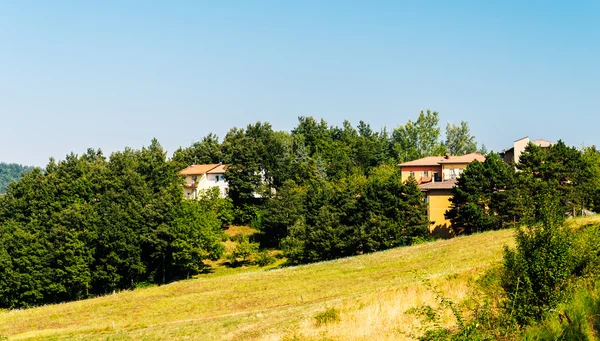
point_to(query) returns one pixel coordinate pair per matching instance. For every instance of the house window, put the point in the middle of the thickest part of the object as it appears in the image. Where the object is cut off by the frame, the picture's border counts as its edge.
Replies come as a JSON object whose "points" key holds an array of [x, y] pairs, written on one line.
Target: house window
{"points": [[426, 174], [412, 174]]}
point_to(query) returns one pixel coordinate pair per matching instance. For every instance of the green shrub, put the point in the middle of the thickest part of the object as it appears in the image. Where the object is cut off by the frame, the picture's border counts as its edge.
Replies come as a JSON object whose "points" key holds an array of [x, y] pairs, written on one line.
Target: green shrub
{"points": [[237, 238], [263, 258], [578, 319], [245, 249], [145, 284], [536, 273], [328, 316], [585, 250]]}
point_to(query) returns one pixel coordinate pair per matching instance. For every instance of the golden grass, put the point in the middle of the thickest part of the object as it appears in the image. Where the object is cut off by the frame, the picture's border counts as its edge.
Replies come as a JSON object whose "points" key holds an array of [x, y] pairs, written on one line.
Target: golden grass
{"points": [[372, 292]]}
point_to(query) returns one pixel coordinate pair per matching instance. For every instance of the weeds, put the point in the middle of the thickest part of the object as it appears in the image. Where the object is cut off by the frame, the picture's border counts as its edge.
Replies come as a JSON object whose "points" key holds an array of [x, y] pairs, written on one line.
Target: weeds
{"points": [[480, 323], [328, 316]]}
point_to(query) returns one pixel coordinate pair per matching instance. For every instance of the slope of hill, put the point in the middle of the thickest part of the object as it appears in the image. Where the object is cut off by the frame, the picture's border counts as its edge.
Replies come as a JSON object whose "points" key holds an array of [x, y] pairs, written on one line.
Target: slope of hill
{"points": [[370, 292], [10, 172]]}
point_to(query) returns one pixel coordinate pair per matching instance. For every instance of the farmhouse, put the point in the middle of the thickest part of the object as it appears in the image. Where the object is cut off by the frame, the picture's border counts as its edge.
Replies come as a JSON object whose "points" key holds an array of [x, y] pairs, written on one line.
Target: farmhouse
{"points": [[199, 178]]}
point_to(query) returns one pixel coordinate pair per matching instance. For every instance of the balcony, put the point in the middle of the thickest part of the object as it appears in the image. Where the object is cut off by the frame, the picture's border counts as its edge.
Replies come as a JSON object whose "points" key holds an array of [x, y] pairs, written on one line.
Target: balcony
{"points": [[191, 184]]}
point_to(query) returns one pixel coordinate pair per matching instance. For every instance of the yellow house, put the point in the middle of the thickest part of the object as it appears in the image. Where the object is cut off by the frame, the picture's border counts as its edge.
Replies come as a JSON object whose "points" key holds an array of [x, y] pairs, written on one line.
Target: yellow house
{"points": [[437, 176], [437, 197]]}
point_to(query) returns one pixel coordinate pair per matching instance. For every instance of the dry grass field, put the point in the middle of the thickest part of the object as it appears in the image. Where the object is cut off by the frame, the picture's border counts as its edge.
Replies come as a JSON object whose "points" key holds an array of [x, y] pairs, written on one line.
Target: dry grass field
{"points": [[371, 293]]}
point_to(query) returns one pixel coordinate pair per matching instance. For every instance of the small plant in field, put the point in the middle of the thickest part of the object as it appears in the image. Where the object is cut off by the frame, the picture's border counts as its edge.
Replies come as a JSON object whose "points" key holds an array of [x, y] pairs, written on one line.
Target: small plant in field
{"points": [[141, 285], [328, 316]]}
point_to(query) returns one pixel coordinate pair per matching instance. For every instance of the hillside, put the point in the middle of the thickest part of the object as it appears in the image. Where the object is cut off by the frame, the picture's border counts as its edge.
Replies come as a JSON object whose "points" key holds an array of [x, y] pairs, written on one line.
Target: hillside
{"points": [[10, 172], [371, 292]]}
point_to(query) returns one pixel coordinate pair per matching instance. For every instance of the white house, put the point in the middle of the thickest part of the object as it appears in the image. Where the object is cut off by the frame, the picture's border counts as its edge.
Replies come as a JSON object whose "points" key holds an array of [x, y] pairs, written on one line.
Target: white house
{"points": [[199, 178]]}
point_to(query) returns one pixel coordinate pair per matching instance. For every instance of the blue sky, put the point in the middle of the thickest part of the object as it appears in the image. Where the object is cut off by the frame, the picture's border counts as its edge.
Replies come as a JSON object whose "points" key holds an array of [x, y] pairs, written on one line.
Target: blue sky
{"points": [[110, 74]]}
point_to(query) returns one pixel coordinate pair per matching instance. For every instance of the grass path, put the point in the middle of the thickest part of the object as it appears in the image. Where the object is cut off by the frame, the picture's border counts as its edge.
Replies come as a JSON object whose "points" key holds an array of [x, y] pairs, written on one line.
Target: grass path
{"points": [[269, 305]]}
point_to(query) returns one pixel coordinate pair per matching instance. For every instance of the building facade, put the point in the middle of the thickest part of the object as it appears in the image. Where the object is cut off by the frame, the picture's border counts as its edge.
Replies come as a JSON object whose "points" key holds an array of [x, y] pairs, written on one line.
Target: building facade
{"points": [[436, 176], [200, 178]]}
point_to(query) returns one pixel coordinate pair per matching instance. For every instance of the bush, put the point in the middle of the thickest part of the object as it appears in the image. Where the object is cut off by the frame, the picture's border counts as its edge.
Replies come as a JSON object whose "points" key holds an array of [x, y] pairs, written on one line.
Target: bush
{"points": [[536, 274], [328, 316], [245, 250], [263, 258], [578, 319]]}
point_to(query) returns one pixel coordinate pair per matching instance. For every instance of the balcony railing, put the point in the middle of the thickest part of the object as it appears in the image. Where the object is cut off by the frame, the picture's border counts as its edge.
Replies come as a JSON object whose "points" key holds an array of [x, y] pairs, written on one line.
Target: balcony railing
{"points": [[191, 185]]}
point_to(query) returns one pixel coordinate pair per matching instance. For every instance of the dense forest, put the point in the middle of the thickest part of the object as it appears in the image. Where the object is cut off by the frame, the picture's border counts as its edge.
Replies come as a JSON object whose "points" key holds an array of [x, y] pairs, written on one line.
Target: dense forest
{"points": [[92, 224], [10, 172]]}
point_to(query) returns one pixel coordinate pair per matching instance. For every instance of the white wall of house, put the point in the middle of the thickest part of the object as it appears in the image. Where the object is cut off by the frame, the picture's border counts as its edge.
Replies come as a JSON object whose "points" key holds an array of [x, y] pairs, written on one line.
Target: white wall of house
{"points": [[519, 146], [218, 180], [190, 190], [205, 182]]}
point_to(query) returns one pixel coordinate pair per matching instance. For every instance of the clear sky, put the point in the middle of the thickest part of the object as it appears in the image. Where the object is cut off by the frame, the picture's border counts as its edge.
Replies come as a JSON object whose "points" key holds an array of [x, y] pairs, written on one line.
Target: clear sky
{"points": [[111, 74]]}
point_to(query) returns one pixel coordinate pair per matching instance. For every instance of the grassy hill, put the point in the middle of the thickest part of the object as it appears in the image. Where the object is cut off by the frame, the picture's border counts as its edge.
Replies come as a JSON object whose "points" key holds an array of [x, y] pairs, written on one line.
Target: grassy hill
{"points": [[370, 292]]}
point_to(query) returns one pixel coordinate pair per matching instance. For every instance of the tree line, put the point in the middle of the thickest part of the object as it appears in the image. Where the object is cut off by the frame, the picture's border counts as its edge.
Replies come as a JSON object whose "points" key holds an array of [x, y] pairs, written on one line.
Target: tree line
{"points": [[91, 224]]}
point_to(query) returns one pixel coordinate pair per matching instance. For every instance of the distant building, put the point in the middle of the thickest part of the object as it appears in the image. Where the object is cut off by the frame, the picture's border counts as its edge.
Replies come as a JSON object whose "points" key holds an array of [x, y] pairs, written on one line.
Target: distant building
{"points": [[436, 176], [513, 154], [199, 178], [438, 168]]}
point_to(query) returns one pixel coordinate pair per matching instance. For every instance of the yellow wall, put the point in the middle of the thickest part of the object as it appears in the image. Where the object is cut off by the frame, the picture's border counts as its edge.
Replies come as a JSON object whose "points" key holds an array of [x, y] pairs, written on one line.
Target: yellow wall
{"points": [[420, 171], [438, 202]]}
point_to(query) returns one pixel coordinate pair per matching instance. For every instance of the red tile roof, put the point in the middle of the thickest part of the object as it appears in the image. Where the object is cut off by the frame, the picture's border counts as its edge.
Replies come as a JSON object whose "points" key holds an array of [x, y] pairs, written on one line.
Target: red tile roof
{"points": [[426, 161], [438, 160], [198, 169], [218, 170]]}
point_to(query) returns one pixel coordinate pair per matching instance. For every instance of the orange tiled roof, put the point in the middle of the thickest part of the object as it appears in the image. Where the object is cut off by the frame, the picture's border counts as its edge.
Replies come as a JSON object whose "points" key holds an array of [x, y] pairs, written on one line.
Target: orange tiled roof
{"points": [[438, 160], [218, 170], [198, 169], [426, 161]]}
